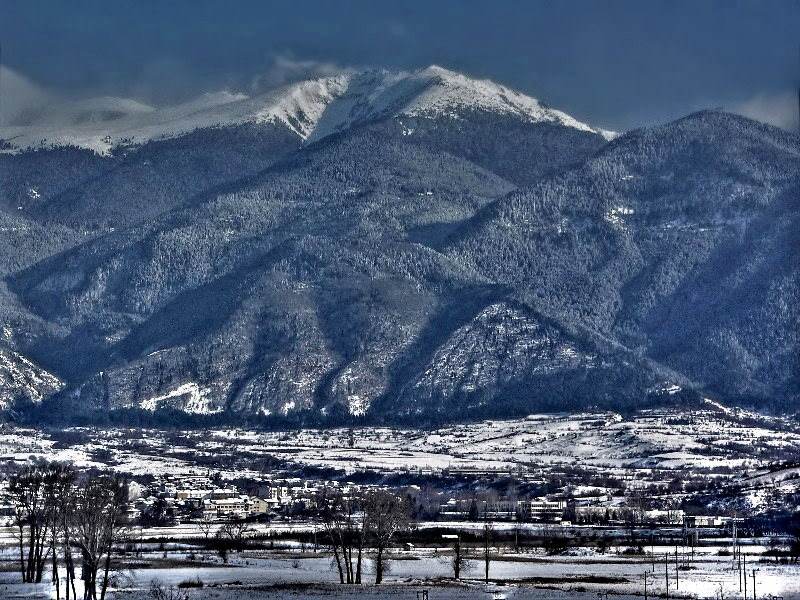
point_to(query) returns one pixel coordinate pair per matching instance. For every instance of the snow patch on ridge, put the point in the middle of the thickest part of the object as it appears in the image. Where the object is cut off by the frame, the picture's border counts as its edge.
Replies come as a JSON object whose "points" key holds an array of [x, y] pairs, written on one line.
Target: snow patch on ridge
{"points": [[616, 215], [189, 397]]}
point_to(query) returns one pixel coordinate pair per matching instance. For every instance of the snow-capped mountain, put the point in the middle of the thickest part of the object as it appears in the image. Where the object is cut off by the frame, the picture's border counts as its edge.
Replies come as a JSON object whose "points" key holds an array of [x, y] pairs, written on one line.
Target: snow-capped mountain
{"points": [[456, 250], [312, 109]]}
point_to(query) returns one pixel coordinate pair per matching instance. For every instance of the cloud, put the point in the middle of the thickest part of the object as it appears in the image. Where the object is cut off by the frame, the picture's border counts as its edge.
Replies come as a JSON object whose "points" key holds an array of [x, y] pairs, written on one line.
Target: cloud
{"points": [[777, 109], [19, 96], [165, 80], [284, 69]]}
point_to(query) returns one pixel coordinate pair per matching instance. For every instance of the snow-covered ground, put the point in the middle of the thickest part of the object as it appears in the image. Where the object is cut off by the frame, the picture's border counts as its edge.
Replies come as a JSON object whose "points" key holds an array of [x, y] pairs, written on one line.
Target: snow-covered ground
{"points": [[664, 439], [255, 574], [652, 439], [651, 446]]}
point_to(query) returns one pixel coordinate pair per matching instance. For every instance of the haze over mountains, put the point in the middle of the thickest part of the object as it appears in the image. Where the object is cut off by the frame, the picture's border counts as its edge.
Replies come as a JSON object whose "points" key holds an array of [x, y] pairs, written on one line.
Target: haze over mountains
{"points": [[412, 247]]}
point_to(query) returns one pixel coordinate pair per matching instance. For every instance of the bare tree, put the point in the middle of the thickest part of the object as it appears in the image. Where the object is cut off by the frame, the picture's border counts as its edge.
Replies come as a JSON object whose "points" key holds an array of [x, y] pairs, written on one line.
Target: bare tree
{"points": [[59, 482], [96, 525], [33, 518], [458, 560], [205, 527], [231, 536], [343, 526], [235, 532], [384, 515]]}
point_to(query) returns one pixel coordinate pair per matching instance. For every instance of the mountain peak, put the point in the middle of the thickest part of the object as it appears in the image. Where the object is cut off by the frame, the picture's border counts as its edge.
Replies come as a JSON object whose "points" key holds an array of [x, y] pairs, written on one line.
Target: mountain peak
{"points": [[449, 92], [313, 109]]}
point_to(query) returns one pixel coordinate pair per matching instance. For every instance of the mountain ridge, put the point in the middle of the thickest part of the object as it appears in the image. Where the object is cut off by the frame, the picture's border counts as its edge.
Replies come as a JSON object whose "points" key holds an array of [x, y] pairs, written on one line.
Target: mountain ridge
{"points": [[412, 268], [313, 109]]}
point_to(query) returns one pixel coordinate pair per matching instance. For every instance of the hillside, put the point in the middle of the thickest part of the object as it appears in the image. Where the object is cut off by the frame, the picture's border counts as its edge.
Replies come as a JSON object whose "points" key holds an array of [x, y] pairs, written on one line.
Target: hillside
{"points": [[674, 243], [417, 247]]}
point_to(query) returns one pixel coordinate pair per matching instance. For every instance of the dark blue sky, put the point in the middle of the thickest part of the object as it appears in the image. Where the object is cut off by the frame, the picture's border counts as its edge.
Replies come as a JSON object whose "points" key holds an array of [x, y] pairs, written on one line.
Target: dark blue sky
{"points": [[617, 64]]}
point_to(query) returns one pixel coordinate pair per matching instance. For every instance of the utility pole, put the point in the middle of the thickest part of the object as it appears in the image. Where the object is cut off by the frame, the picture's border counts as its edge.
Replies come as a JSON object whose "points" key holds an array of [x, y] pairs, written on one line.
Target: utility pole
{"points": [[652, 552], [666, 572], [677, 576], [740, 573], [686, 543], [744, 571], [754, 583], [645, 585]]}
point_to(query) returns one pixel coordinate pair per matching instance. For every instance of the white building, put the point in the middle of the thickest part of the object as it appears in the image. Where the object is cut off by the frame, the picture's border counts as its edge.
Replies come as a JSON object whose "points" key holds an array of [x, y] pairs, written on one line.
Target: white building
{"points": [[239, 507]]}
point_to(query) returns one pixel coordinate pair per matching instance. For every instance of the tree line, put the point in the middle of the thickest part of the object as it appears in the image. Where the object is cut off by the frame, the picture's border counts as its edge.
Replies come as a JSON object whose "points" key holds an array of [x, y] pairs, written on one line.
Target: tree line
{"points": [[65, 518], [70, 518]]}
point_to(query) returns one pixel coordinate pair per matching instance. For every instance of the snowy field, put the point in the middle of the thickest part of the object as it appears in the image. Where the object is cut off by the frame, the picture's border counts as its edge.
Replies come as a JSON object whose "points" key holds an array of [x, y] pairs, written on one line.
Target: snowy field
{"points": [[716, 440], [259, 574]]}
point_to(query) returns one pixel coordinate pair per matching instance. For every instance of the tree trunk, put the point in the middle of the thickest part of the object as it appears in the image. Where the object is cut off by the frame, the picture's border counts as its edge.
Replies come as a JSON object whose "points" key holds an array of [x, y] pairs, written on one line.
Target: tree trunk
{"points": [[42, 555], [457, 561], [349, 564], [88, 575], [486, 557], [338, 561], [31, 546], [22, 551], [106, 569], [55, 566], [38, 556], [358, 564], [70, 568], [379, 565]]}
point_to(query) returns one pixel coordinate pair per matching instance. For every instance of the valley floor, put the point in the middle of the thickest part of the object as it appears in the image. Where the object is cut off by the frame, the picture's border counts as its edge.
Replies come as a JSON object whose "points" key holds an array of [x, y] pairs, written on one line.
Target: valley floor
{"points": [[753, 456], [755, 451], [290, 573]]}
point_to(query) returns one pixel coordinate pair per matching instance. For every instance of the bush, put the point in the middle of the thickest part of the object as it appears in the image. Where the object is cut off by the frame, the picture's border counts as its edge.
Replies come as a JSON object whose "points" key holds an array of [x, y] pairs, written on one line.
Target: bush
{"points": [[158, 591]]}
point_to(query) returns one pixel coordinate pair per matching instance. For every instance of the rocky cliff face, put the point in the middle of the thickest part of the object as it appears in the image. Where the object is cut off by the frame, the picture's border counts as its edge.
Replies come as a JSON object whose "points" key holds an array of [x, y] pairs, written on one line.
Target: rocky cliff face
{"points": [[22, 382]]}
